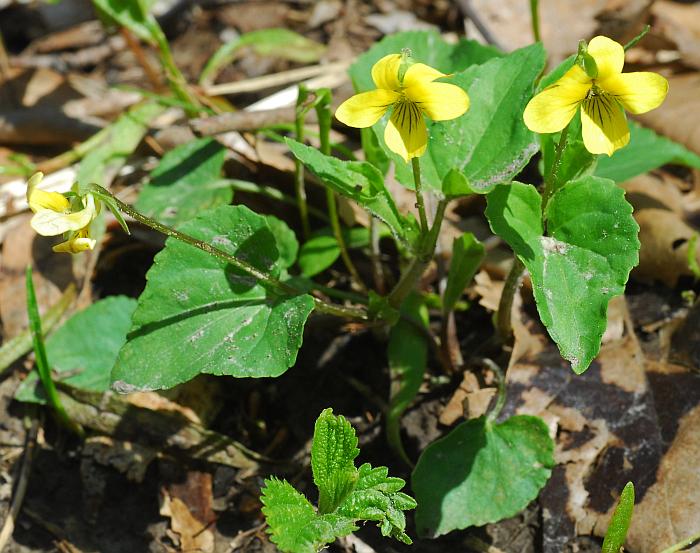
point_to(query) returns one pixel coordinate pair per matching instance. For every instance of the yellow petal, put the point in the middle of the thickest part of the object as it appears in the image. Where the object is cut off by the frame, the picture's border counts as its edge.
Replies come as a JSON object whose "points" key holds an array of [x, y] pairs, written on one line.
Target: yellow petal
{"points": [[439, 101], [638, 92], [405, 132], [75, 245], [609, 56], [52, 223], [604, 125], [365, 109], [41, 200], [385, 73], [553, 108], [419, 73]]}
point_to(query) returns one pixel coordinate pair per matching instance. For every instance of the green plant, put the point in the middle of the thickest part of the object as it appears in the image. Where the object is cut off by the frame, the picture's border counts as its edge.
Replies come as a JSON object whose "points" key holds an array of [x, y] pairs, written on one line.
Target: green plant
{"points": [[347, 494], [225, 295]]}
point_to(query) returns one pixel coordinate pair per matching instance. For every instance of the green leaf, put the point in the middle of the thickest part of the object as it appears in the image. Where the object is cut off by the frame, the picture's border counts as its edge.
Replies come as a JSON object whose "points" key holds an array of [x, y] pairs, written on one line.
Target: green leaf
{"points": [[286, 241], [293, 523], [481, 473], [582, 263], [132, 14], [408, 357], [467, 254], [199, 315], [346, 494], [333, 454], [317, 254], [426, 47], [620, 521], [186, 182], [85, 348], [361, 182], [114, 144], [645, 152], [322, 249], [377, 497], [280, 43], [489, 144]]}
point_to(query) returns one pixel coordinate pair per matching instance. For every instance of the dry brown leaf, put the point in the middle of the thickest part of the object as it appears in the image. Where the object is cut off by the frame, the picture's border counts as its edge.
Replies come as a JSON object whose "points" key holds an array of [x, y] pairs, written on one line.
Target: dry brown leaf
{"points": [[129, 458], [669, 511], [654, 191], [664, 252], [194, 536], [468, 390], [53, 273], [562, 23], [488, 290], [680, 23], [678, 117]]}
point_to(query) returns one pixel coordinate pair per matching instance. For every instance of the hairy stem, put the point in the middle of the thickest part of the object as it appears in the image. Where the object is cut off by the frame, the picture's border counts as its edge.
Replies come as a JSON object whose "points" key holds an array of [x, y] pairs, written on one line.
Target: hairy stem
{"points": [[323, 112], [504, 324], [299, 185], [425, 252], [264, 278], [420, 202], [535, 19], [550, 178], [692, 540]]}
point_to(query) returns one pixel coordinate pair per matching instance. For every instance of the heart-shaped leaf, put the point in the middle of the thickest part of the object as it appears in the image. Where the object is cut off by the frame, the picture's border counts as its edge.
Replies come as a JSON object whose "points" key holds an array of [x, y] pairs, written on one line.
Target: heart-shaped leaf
{"points": [[584, 260], [481, 472], [200, 315]]}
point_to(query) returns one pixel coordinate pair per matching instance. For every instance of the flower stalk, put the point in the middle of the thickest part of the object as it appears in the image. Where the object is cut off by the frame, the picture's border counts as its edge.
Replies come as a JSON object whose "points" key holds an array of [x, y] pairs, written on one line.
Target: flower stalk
{"points": [[420, 201], [322, 105], [416, 268], [299, 184]]}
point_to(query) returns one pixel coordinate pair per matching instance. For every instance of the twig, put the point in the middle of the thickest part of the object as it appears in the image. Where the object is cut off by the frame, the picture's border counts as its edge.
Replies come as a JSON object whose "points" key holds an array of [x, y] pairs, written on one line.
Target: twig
{"points": [[469, 12], [276, 79], [244, 121], [8, 526]]}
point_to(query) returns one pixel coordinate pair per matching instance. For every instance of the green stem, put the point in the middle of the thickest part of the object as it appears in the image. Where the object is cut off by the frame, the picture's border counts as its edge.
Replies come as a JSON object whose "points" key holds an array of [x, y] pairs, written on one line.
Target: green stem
{"points": [[265, 279], [176, 80], [550, 178], [505, 305], [420, 202], [503, 316], [535, 19], [682, 545], [415, 270], [323, 111], [501, 393], [375, 256], [299, 185], [42, 362]]}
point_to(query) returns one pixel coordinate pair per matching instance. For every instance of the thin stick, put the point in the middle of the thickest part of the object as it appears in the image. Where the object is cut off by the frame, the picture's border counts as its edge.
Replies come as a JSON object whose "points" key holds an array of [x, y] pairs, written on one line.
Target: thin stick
{"points": [[8, 526], [683, 545], [276, 79], [135, 47]]}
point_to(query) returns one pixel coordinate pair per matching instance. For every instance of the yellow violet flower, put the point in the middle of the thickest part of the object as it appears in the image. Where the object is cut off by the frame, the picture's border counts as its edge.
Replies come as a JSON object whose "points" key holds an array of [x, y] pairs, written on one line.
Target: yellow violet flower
{"points": [[411, 91], [54, 214], [601, 99]]}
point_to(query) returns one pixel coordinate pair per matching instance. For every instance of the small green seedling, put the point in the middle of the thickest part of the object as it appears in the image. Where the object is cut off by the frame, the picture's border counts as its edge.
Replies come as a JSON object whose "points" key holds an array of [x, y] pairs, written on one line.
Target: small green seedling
{"points": [[346, 494], [620, 521]]}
